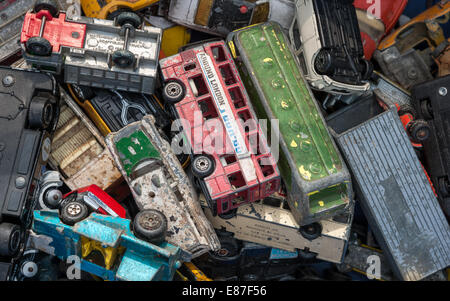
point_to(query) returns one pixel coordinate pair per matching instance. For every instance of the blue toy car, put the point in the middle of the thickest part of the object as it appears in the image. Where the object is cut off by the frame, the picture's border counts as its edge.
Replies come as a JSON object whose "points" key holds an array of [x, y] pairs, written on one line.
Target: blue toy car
{"points": [[124, 256]]}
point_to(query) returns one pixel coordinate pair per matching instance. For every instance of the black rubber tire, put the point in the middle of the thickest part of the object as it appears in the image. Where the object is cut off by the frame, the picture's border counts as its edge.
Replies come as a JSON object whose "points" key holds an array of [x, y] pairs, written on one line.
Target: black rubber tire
{"points": [[311, 231], [229, 214], [49, 5], [10, 236], [38, 46], [41, 113], [72, 212], [123, 58], [150, 225], [367, 69], [203, 166], [419, 130], [130, 18], [426, 109], [173, 91], [323, 63], [407, 109]]}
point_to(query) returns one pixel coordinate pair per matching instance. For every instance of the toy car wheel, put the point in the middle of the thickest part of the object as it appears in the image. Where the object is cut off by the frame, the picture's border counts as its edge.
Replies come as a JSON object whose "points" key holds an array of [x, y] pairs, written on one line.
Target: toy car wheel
{"points": [[49, 5], [38, 46], [10, 236], [150, 225], [130, 18], [419, 130], [173, 91], [406, 109], [202, 166], [367, 69], [311, 231], [426, 109], [40, 113], [123, 58], [72, 212], [52, 198], [323, 62]]}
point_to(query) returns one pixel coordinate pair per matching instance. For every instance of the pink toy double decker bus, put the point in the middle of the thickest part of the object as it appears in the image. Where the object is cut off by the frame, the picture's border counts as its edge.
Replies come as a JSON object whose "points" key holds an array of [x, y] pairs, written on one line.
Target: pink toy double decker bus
{"points": [[230, 155]]}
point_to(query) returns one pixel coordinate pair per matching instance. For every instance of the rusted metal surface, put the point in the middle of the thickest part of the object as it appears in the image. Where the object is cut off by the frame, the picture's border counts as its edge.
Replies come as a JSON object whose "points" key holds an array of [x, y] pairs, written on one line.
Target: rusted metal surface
{"points": [[158, 181], [78, 150]]}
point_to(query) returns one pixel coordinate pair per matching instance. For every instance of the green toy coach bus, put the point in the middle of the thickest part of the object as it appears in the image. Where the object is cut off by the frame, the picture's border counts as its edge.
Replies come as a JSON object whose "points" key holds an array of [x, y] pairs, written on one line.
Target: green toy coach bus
{"points": [[317, 179]]}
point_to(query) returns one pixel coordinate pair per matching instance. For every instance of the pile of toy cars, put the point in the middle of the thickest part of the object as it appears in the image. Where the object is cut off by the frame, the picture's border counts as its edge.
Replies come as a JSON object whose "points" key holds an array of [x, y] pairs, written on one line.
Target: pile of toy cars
{"points": [[224, 140]]}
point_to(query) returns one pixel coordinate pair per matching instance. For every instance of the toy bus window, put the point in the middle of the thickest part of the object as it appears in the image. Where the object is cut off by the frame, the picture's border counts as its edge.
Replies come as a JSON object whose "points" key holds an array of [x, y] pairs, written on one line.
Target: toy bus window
{"points": [[247, 123], [188, 67], [272, 202], [261, 150], [227, 75], [208, 109], [236, 180], [198, 86], [224, 206], [227, 160], [236, 96], [267, 170], [218, 54], [240, 199]]}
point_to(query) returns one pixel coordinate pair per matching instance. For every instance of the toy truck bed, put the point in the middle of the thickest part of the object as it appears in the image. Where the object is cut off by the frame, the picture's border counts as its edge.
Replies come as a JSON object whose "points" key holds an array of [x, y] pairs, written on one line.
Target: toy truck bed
{"points": [[393, 190]]}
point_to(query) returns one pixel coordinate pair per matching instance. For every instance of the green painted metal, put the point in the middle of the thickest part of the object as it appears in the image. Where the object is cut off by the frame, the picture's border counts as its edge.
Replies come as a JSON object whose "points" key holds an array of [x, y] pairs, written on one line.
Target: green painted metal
{"points": [[290, 101], [313, 171], [134, 148]]}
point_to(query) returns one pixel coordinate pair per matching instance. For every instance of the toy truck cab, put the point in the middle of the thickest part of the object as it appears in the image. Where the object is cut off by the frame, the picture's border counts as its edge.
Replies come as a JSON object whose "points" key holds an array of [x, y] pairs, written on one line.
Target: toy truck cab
{"points": [[158, 181], [327, 41], [28, 116], [120, 54], [231, 160]]}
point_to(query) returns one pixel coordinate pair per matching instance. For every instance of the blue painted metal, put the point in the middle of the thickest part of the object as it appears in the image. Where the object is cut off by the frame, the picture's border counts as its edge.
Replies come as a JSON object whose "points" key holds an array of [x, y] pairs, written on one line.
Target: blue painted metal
{"points": [[141, 261]]}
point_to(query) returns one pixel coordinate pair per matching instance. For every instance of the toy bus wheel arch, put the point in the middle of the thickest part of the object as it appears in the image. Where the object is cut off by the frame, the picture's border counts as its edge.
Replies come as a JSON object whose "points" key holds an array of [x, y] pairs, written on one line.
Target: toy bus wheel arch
{"points": [[40, 113], [419, 130], [129, 18], [203, 166], [38, 46], [173, 91], [150, 225], [324, 63], [49, 5], [72, 212], [10, 236], [311, 231], [123, 58]]}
